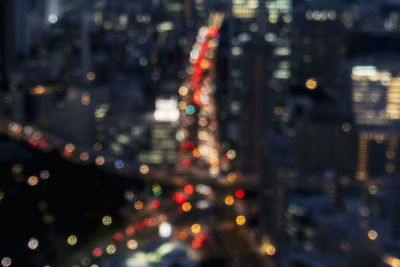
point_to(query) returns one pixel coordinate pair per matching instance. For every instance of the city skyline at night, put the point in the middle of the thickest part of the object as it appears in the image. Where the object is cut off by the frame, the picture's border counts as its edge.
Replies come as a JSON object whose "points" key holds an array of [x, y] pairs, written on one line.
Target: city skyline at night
{"points": [[199, 133]]}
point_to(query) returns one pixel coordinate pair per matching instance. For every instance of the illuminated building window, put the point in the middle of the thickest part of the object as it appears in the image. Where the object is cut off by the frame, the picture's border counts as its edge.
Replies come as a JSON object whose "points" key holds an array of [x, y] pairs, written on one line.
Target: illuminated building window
{"points": [[244, 9]]}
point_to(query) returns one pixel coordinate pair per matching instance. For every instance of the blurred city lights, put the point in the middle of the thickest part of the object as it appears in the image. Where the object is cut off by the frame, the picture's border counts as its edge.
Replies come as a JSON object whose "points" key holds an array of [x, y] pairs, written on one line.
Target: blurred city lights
{"points": [[196, 228], [155, 204], [188, 189], [231, 154], [165, 230], [144, 169], [132, 244], [33, 243], [183, 91], [239, 193], [44, 174], [119, 164], [130, 231], [84, 156], [372, 189], [156, 188], [229, 200], [91, 76], [6, 261], [111, 249], [107, 220], [53, 18], [372, 234], [231, 177], [269, 249], [240, 220], [311, 84], [138, 205], [129, 195], [97, 252], [72, 240], [33, 180], [183, 235], [118, 237], [186, 207], [100, 160]]}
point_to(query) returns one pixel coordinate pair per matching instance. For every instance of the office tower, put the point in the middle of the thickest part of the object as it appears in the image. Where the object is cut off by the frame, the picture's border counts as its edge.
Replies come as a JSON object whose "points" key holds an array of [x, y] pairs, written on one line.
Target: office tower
{"points": [[376, 107], [243, 79], [256, 81]]}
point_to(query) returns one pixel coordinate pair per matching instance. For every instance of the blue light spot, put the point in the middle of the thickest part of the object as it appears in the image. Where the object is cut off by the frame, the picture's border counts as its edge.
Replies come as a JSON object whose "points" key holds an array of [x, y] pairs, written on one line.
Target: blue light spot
{"points": [[190, 110], [119, 164]]}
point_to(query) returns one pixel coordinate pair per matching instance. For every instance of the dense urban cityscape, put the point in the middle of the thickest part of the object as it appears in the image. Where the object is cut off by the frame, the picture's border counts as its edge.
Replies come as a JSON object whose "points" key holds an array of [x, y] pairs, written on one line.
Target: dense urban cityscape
{"points": [[173, 133]]}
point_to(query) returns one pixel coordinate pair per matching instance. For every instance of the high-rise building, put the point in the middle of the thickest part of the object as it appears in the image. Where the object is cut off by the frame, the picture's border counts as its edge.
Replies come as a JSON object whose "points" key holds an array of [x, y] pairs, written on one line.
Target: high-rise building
{"points": [[256, 80], [246, 85], [375, 92]]}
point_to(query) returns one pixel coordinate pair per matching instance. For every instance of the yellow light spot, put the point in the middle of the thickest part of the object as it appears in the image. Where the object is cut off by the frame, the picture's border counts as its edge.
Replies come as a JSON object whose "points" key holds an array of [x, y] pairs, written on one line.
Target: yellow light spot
{"points": [[229, 200], [144, 169], [100, 160], [240, 220], [107, 220], [72, 240], [372, 234], [182, 105], [183, 91], [132, 244], [273, 19], [33, 180], [231, 177], [1, 195], [196, 228], [39, 90], [205, 64], [94, 265], [186, 207], [269, 249], [138, 205], [111, 249], [311, 84]]}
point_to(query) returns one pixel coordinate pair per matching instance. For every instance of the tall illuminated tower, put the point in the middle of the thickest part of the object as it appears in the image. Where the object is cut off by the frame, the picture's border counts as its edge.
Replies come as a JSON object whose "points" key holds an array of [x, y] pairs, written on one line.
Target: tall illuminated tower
{"points": [[258, 73], [259, 69]]}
